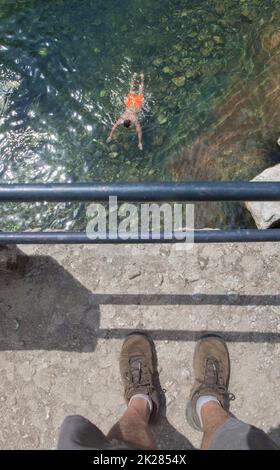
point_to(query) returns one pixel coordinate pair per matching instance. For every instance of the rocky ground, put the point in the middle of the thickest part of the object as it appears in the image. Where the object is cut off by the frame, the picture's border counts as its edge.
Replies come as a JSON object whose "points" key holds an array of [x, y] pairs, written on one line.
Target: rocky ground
{"points": [[63, 321]]}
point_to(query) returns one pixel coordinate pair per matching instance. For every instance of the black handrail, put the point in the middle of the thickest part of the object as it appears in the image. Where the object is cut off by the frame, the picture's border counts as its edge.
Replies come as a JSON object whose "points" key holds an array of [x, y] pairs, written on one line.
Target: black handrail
{"points": [[197, 236], [187, 191], [140, 192]]}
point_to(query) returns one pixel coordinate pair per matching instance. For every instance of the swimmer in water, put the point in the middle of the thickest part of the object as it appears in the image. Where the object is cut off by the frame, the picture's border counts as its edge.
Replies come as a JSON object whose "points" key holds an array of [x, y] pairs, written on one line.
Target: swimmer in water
{"points": [[133, 103]]}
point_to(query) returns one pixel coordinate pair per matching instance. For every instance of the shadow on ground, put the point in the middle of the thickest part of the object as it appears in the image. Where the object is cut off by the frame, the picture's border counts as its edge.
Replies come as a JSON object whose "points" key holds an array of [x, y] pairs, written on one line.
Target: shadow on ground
{"points": [[46, 308], [274, 434], [167, 437]]}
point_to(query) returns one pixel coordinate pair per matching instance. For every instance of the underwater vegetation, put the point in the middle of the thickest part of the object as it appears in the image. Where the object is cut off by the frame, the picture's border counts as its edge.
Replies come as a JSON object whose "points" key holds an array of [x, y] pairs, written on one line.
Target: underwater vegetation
{"points": [[211, 97]]}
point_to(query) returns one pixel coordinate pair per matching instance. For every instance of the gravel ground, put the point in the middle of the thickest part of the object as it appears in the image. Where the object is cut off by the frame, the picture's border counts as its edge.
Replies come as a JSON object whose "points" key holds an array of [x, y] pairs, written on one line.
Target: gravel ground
{"points": [[63, 322]]}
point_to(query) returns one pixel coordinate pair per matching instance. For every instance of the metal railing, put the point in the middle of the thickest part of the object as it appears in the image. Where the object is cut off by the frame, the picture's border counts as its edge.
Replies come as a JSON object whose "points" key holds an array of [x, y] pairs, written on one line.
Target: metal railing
{"points": [[140, 192]]}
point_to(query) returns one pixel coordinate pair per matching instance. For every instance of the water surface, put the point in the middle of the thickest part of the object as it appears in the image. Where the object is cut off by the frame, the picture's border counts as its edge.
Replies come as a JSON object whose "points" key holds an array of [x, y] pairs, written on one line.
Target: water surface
{"points": [[65, 67]]}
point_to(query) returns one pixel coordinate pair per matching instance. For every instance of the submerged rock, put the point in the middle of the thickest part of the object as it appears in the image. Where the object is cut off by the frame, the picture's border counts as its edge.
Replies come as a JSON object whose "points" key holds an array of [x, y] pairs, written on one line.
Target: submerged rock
{"points": [[162, 119], [266, 214], [113, 154], [6, 89], [179, 81], [157, 61], [242, 138], [43, 52], [167, 70]]}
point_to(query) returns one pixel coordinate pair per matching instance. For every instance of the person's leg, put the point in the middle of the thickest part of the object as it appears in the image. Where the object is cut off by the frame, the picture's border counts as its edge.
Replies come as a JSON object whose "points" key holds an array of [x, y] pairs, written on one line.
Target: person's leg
{"points": [[223, 432], [138, 371], [133, 427], [137, 367], [207, 409], [132, 83], [236, 435], [77, 433], [141, 86], [212, 416]]}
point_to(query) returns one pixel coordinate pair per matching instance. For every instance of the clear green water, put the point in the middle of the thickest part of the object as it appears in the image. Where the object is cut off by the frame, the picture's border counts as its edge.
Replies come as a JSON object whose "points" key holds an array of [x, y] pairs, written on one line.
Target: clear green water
{"points": [[65, 68]]}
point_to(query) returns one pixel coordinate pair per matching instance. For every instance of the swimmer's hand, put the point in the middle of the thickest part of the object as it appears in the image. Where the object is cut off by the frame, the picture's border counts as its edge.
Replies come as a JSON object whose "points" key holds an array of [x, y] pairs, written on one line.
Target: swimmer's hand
{"points": [[109, 139], [140, 146]]}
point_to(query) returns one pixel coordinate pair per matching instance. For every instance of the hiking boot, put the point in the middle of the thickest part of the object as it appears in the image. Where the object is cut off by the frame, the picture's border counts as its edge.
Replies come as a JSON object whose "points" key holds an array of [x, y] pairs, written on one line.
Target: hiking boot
{"points": [[138, 370], [211, 371]]}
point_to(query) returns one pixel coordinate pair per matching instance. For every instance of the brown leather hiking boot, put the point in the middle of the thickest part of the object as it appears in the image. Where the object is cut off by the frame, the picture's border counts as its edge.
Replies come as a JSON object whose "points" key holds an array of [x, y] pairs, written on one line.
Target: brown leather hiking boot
{"points": [[211, 371], [138, 369]]}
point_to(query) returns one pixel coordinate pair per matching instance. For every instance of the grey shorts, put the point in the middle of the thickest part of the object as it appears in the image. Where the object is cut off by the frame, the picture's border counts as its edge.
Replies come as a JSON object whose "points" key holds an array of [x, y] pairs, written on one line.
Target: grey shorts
{"points": [[77, 433]]}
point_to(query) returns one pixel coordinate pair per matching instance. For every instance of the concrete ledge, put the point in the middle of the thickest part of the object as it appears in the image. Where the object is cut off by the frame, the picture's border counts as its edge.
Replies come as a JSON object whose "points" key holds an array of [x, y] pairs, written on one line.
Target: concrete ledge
{"points": [[63, 322]]}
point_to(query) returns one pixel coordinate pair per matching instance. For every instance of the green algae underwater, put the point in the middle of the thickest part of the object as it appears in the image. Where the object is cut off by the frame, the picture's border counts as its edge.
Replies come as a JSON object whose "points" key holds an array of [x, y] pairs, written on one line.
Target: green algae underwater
{"points": [[211, 109]]}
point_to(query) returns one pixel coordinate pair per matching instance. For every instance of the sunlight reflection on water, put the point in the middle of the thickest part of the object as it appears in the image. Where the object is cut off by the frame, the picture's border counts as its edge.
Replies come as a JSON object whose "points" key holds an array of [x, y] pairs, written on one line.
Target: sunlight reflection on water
{"points": [[64, 72]]}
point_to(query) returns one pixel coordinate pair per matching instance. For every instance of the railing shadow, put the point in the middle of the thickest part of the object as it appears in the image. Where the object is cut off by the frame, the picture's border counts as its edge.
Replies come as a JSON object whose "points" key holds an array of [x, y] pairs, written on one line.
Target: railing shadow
{"points": [[47, 308]]}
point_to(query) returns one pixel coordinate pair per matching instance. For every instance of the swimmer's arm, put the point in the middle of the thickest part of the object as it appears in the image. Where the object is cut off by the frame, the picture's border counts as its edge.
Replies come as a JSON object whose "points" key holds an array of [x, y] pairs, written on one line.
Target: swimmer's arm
{"points": [[117, 123], [139, 132]]}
